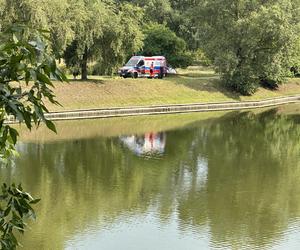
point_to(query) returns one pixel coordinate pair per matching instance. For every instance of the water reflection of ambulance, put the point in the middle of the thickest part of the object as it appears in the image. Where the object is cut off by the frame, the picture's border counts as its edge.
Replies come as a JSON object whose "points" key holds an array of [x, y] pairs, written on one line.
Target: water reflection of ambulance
{"points": [[147, 144], [140, 66]]}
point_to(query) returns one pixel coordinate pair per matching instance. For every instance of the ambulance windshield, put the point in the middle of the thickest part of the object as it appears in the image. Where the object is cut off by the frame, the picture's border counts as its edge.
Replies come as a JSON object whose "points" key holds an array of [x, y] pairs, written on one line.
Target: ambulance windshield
{"points": [[132, 62]]}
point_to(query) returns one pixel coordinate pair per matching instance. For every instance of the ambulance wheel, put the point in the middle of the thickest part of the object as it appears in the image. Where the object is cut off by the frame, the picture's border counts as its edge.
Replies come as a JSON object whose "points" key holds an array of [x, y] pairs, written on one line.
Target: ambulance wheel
{"points": [[135, 75]]}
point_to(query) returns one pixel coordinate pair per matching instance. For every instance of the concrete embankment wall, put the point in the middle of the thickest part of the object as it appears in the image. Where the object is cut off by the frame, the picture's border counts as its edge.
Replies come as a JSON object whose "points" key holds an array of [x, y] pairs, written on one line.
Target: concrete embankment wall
{"points": [[169, 109], [166, 109]]}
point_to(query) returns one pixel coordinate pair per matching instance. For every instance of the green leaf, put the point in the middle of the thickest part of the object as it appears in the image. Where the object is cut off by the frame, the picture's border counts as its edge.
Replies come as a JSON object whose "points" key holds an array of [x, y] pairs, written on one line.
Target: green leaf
{"points": [[7, 211], [51, 126], [33, 75], [43, 78], [27, 76], [15, 39], [34, 201], [13, 134], [27, 119]]}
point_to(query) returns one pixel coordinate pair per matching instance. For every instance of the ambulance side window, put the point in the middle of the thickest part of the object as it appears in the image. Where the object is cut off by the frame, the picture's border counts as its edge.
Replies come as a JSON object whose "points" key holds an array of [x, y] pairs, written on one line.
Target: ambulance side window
{"points": [[141, 63]]}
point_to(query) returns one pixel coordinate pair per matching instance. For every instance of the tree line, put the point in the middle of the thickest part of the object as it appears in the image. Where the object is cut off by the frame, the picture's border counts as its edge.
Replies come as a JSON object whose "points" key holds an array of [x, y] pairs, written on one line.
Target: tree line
{"points": [[250, 43]]}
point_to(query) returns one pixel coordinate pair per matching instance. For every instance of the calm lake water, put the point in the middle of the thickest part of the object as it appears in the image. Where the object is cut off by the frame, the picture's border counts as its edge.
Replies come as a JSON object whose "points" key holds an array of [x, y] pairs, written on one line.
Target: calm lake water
{"points": [[178, 182]]}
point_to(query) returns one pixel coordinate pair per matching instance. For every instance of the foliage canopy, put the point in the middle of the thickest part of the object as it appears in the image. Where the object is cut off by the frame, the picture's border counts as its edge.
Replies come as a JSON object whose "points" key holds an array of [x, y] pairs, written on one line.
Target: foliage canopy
{"points": [[160, 40], [26, 71], [106, 33], [250, 42]]}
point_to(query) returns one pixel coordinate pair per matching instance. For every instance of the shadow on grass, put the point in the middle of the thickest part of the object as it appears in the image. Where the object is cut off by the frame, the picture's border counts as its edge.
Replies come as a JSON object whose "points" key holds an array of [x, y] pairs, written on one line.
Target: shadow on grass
{"points": [[211, 84], [196, 75], [95, 81]]}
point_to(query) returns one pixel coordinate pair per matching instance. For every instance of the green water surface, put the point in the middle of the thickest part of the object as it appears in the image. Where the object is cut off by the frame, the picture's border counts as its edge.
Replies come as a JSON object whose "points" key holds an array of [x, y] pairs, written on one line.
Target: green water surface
{"points": [[178, 182]]}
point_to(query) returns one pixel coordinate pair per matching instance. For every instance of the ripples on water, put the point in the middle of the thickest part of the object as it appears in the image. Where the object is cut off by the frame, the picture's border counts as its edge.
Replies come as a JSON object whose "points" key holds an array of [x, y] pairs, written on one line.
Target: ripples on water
{"points": [[226, 183]]}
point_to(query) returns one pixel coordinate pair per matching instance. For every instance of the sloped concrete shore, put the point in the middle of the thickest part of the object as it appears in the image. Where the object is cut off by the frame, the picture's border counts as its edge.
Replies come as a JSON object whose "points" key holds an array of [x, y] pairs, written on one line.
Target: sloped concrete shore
{"points": [[168, 109], [164, 109]]}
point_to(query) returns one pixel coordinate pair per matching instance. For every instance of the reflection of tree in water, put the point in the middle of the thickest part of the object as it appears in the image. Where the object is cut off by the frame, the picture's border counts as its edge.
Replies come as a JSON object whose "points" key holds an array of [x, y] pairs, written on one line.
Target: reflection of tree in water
{"points": [[253, 176], [238, 174]]}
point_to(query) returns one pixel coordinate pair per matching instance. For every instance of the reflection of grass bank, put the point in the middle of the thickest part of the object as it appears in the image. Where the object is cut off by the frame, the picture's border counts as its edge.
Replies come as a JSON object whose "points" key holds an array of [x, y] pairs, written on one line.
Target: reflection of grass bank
{"points": [[193, 85], [71, 130]]}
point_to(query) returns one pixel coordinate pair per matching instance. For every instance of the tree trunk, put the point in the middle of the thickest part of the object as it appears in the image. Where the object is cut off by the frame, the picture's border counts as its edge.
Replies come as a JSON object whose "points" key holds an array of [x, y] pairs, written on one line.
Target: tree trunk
{"points": [[84, 65]]}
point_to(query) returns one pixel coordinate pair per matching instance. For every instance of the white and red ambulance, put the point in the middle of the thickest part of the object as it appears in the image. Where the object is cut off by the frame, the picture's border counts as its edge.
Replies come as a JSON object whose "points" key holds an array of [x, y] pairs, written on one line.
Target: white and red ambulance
{"points": [[142, 66]]}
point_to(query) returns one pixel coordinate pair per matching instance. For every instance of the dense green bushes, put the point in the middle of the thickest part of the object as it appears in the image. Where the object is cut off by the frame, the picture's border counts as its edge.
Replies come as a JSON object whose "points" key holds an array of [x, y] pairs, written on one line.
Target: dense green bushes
{"points": [[250, 43], [160, 40]]}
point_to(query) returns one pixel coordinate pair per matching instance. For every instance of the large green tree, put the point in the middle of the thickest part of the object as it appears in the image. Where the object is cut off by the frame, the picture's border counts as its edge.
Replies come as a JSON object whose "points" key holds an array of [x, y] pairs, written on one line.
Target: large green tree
{"points": [[122, 37], [155, 10], [175, 15], [183, 23], [160, 40], [105, 32], [55, 16], [250, 42], [90, 17]]}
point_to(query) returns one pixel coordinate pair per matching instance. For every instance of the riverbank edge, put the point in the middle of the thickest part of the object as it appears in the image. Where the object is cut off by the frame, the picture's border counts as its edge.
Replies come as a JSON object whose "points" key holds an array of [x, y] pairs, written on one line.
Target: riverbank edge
{"points": [[166, 109]]}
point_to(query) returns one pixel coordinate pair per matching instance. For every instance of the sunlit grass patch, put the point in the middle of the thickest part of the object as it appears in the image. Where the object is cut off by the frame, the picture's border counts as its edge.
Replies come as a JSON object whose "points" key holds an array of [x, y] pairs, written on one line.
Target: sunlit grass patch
{"points": [[192, 85]]}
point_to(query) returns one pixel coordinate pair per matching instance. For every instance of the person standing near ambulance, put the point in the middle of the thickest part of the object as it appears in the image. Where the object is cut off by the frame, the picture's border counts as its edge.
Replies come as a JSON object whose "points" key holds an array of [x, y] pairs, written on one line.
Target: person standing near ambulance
{"points": [[152, 70]]}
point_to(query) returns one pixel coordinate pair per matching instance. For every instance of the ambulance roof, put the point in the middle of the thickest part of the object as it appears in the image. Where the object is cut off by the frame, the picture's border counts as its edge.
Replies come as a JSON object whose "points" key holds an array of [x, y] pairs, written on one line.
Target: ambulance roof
{"points": [[154, 58]]}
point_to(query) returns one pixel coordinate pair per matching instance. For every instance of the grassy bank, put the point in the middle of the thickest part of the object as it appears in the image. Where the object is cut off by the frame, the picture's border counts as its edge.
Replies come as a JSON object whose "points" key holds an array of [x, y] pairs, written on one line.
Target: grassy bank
{"points": [[193, 85]]}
